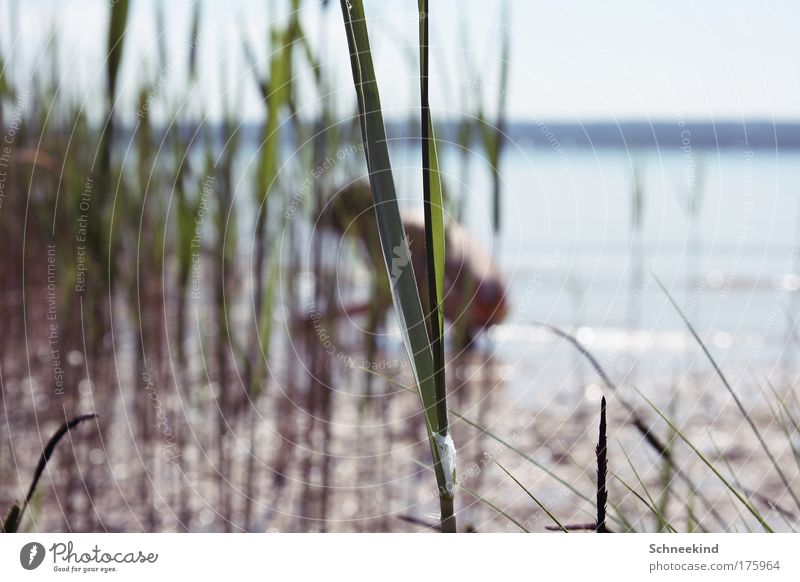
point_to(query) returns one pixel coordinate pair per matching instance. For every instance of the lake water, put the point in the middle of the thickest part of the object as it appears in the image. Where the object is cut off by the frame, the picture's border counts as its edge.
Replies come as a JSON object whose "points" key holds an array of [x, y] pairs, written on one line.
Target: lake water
{"points": [[573, 259]]}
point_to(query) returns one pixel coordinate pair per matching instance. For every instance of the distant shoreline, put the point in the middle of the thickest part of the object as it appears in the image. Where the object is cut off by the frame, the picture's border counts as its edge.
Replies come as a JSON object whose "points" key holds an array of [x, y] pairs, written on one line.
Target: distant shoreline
{"points": [[677, 135], [661, 134]]}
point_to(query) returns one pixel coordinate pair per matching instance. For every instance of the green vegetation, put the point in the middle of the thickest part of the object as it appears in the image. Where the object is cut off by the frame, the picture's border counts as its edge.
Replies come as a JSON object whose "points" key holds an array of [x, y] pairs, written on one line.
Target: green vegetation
{"points": [[181, 283]]}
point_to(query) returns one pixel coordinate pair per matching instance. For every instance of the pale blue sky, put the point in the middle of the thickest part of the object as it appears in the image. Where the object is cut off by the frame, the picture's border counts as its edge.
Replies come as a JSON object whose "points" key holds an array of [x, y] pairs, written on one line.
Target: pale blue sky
{"points": [[580, 59]]}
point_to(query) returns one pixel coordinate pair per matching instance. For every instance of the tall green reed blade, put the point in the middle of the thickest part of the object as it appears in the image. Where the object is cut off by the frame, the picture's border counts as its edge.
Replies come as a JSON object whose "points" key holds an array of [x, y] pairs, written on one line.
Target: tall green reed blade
{"points": [[6, 90], [434, 223], [4, 86], [193, 42], [161, 31], [116, 41], [276, 95], [495, 137], [396, 252], [115, 44], [13, 518], [101, 248]]}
